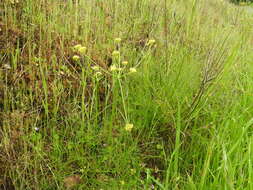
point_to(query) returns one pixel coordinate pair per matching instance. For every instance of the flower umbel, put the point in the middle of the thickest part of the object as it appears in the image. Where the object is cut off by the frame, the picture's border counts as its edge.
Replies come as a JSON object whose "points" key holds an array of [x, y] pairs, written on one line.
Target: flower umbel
{"points": [[133, 171], [151, 42], [117, 40], [132, 70], [76, 47], [82, 50], [76, 58], [122, 182], [129, 127], [95, 68], [113, 68], [115, 53]]}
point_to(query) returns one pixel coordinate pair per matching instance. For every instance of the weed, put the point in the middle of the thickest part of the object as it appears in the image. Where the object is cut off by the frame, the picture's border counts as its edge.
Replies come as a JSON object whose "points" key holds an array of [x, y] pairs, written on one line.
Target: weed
{"points": [[125, 95]]}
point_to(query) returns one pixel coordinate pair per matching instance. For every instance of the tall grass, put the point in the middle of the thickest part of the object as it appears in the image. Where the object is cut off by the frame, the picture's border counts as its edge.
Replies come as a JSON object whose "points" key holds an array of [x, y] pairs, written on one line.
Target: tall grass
{"points": [[166, 106]]}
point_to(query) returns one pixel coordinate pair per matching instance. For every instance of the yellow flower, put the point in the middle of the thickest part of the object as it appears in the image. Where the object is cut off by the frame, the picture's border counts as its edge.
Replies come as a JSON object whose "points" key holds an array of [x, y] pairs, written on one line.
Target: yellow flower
{"points": [[129, 127], [76, 58], [76, 47], [113, 68], [82, 50], [122, 182], [124, 62], [115, 53], [95, 68], [151, 42], [133, 171], [158, 146], [132, 70], [117, 40], [82, 170]]}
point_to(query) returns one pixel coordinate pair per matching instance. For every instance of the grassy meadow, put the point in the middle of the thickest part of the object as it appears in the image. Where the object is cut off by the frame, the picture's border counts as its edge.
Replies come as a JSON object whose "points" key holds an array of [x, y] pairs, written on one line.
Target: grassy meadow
{"points": [[126, 95]]}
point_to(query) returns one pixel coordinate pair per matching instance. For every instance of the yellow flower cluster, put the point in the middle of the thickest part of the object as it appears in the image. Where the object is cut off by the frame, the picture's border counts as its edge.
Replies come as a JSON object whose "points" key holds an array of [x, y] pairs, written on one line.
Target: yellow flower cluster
{"points": [[129, 127], [115, 53], [76, 57], [117, 40], [95, 68], [132, 70], [133, 171], [151, 42], [80, 50], [114, 68]]}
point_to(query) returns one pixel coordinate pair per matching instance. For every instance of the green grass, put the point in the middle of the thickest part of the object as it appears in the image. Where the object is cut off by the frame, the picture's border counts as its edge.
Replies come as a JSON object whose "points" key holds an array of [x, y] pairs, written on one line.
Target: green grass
{"points": [[63, 121]]}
